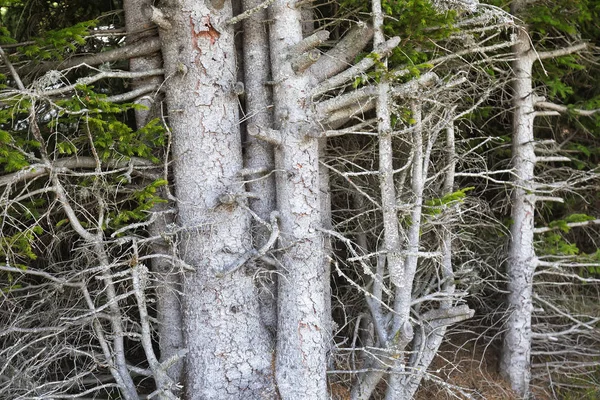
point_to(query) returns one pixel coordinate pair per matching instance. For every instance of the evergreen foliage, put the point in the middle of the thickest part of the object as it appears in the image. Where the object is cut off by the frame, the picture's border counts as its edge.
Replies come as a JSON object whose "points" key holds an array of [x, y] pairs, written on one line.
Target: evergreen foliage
{"points": [[82, 148]]}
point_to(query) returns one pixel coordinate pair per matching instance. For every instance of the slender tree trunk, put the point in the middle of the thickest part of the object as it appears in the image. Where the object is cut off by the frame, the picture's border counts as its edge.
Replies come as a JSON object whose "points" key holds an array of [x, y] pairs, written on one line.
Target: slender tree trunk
{"points": [[429, 337], [403, 295], [515, 363], [301, 344], [392, 244], [308, 28], [259, 153], [168, 283], [139, 26], [229, 351]]}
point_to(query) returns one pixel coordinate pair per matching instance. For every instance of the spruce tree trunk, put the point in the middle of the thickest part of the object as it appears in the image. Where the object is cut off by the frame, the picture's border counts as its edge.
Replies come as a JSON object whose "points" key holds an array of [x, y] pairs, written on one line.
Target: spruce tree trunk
{"points": [[516, 354], [167, 275], [259, 153], [301, 344], [229, 353]]}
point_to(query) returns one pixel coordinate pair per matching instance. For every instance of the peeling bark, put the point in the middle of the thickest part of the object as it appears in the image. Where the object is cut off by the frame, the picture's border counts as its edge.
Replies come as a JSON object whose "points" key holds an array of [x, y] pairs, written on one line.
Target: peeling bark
{"points": [[515, 363], [229, 351], [301, 344], [259, 153]]}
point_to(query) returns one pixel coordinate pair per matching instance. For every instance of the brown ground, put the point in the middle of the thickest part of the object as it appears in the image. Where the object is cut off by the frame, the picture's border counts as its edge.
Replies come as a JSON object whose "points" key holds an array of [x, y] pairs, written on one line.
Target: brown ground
{"points": [[467, 362], [464, 361]]}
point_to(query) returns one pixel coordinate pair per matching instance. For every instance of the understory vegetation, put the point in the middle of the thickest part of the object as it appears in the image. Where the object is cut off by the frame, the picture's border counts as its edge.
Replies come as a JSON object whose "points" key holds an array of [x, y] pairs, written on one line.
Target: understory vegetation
{"points": [[345, 199]]}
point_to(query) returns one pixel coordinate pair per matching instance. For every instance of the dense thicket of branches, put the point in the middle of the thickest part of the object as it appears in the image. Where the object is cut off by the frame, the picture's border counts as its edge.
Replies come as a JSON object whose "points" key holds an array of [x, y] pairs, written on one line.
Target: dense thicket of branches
{"points": [[246, 199]]}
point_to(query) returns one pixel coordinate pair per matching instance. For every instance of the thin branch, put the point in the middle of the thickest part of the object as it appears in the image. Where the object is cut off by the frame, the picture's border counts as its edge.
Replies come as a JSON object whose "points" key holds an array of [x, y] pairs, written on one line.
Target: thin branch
{"points": [[564, 109], [62, 165], [562, 52], [133, 94], [13, 72], [101, 75], [569, 224], [253, 254], [250, 12], [138, 49]]}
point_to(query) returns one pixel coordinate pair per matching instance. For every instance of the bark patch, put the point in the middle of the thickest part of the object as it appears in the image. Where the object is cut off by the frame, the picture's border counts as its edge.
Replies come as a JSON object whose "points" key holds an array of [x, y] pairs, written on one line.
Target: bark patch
{"points": [[203, 29]]}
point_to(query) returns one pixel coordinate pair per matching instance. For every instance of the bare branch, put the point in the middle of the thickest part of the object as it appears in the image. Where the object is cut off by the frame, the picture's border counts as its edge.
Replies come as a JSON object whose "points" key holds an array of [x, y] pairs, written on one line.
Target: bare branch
{"points": [[564, 109], [341, 56], [565, 51], [552, 159], [309, 42], [138, 49], [248, 13], [101, 75], [569, 224], [253, 253], [302, 61], [268, 135], [159, 18], [13, 72], [356, 69], [64, 164], [133, 94]]}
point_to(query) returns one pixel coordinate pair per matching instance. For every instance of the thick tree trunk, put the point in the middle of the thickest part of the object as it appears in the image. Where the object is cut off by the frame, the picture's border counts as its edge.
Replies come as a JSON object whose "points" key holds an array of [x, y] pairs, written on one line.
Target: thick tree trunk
{"points": [[301, 344], [516, 354], [168, 283], [229, 351]]}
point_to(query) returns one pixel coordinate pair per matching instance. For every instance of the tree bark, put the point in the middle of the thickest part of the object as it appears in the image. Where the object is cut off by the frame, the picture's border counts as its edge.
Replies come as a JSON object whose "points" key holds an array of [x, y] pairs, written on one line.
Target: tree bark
{"points": [[301, 344], [516, 353], [229, 351], [259, 153], [429, 337], [168, 283]]}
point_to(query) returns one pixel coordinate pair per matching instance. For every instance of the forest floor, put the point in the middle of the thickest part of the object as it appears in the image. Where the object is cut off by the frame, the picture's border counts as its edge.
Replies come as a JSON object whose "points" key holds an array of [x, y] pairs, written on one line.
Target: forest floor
{"points": [[466, 367], [466, 361], [470, 362]]}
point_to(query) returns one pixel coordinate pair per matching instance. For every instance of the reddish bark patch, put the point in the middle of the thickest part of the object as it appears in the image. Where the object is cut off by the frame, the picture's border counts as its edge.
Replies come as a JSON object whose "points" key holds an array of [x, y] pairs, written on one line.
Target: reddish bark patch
{"points": [[203, 29]]}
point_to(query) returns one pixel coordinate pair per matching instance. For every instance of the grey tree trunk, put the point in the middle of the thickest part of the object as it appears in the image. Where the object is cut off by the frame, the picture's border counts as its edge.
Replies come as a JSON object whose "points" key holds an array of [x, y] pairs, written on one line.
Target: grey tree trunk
{"points": [[168, 284], [259, 156], [430, 335], [229, 350], [301, 344], [516, 353]]}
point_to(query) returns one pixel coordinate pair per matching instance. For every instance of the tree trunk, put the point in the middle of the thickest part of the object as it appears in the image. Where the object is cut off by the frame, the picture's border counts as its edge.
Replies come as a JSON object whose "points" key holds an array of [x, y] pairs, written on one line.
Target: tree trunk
{"points": [[301, 344], [429, 337], [168, 283], [229, 351], [516, 354], [259, 153]]}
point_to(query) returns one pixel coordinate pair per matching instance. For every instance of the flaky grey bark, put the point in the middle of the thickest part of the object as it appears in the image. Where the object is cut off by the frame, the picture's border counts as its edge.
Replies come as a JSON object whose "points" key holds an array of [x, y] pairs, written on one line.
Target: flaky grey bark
{"points": [[516, 353], [301, 344], [229, 354], [515, 363], [259, 153], [168, 286]]}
